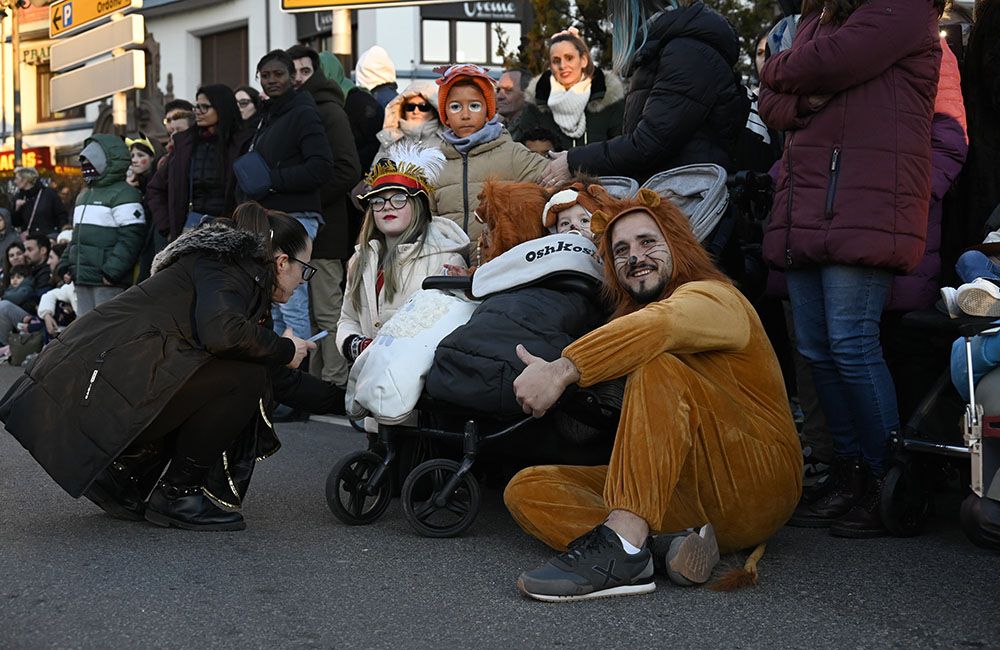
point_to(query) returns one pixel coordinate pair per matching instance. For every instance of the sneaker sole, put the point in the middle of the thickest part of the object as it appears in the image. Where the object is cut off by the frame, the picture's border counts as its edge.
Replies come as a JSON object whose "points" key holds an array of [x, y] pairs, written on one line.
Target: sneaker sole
{"points": [[160, 519], [624, 590], [691, 560], [976, 301]]}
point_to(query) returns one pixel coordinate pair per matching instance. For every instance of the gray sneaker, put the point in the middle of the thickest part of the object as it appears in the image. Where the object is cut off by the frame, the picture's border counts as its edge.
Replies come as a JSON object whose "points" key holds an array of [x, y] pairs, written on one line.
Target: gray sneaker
{"points": [[595, 566]]}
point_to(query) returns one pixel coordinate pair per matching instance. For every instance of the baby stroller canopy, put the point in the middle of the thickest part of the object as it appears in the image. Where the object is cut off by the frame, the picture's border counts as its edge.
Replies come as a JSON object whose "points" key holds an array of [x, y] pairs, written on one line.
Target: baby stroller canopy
{"points": [[700, 191]]}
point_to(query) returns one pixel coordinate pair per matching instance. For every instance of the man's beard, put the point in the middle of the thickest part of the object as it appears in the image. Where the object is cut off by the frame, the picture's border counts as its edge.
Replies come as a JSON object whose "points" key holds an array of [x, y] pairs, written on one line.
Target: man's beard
{"points": [[649, 293]]}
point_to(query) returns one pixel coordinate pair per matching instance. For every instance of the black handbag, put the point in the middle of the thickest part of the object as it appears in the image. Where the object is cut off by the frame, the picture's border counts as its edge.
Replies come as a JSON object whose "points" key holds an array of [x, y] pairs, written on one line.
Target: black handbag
{"points": [[252, 173]]}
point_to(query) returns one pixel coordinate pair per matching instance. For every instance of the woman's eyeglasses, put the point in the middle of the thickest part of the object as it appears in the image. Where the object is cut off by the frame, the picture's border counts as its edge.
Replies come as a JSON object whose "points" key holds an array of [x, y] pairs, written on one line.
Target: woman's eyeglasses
{"points": [[202, 108], [397, 201], [423, 108], [307, 270]]}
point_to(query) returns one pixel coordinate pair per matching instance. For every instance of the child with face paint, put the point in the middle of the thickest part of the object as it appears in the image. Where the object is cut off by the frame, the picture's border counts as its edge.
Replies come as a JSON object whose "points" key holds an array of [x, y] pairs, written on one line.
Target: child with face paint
{"points": [[476, 146], [570, 209]]}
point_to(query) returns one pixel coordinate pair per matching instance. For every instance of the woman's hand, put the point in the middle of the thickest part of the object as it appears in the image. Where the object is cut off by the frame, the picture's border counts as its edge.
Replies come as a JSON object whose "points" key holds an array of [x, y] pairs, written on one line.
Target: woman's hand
{"points": [[542, 383], [817, 102], [302, 348], [50, 325], [557, 170], [457, 271]]}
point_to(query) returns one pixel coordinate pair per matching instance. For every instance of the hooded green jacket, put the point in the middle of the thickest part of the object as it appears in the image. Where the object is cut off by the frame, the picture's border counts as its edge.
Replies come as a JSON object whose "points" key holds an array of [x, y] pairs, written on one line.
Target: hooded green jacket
{"points": [[109, 222]]}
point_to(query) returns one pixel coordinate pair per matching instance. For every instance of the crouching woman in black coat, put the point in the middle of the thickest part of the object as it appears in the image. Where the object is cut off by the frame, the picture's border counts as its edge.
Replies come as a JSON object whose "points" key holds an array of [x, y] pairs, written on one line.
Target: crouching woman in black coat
{"points": [[180, 369]]}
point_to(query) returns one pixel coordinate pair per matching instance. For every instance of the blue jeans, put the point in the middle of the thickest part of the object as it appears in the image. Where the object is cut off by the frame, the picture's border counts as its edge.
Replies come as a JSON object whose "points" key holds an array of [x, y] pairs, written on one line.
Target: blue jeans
{"points": [[974, 264], [837, 313], [295, 312]]}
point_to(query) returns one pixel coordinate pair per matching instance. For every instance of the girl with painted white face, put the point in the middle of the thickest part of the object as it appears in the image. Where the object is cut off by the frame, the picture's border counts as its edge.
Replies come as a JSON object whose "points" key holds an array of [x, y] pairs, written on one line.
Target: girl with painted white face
{"points": [[400, 244]]}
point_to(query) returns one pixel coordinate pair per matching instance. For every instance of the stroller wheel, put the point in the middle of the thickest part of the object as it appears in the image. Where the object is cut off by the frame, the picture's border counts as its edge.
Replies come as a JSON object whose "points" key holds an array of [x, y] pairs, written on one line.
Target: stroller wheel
{"points": [[346, 492], [905, 504], [430, 511]]}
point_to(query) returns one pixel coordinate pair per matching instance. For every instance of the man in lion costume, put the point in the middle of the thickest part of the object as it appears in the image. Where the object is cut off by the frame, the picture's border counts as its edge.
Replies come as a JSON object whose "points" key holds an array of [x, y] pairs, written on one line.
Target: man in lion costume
{"points": [[705, 439]]}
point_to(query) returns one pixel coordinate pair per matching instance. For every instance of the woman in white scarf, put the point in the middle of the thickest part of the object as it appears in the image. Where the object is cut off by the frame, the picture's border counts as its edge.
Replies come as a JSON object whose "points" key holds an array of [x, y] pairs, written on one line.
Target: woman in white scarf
{"points": [[578, 102]]}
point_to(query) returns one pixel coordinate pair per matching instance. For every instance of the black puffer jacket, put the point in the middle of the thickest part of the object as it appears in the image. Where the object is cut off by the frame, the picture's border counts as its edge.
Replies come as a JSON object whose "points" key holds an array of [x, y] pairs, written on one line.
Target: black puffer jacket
{"points": [[476, 365], [104, 380], [684, 104], [292, 140]]}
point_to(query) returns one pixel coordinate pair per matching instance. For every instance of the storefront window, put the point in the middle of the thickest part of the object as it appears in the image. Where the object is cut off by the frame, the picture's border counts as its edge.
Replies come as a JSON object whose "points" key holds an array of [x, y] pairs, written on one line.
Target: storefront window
{"points": [[43, 98], [437, 41]]}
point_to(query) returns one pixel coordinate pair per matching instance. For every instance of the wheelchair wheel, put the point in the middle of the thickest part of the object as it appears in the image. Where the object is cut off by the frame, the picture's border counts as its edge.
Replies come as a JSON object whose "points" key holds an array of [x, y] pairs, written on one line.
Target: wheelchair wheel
{"points": [[424, 486], [905, 503], [345, 489]]}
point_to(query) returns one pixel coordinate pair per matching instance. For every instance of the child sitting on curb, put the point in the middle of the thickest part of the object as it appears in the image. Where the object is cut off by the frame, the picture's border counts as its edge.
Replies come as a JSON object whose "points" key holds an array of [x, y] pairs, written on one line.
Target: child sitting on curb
{"points": [[476, 147], [400, 245]]}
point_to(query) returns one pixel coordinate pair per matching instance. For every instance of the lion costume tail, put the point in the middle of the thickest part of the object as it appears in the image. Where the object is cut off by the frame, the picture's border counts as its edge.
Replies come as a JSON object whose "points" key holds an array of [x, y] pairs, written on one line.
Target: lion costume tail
{"points": [[745, 576]]}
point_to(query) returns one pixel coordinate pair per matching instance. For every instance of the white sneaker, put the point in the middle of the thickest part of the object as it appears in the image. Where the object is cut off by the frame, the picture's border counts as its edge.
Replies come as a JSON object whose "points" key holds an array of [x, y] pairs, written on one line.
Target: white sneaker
{"points": [[979, 298], [949, 296]]}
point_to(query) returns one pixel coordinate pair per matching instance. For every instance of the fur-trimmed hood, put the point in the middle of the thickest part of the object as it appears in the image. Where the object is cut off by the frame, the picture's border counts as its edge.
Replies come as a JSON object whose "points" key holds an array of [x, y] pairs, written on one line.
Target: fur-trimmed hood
{"points": [[217, 240], [606, 89], [429, 132]]}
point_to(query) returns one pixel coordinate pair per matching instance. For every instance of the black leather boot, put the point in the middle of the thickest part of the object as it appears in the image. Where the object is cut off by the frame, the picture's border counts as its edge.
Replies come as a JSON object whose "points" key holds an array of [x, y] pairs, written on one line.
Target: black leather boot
{"points": [[116, 492], [178, 500], [845, 488], [864, 520]]}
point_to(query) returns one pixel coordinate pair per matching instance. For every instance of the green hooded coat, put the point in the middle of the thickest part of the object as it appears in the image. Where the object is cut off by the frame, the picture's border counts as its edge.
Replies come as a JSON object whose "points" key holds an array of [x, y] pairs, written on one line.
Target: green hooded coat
{"points": [[109, 222]]}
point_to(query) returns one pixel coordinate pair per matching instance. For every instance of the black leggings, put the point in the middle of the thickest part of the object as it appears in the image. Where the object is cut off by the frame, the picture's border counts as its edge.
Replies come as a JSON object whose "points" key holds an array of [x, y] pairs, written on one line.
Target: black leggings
{"points": [[210, 410]]}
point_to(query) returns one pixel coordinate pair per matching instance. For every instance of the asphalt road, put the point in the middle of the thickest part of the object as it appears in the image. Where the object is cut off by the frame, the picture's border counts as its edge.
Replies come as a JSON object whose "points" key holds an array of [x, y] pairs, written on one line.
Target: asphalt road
{"points": [[70, 577]]}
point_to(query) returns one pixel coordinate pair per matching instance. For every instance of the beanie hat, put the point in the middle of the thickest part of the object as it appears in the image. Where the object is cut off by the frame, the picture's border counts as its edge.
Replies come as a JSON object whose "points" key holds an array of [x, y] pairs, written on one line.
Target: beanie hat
{"points": [[407, 167], [575, 194], [465, 72]]}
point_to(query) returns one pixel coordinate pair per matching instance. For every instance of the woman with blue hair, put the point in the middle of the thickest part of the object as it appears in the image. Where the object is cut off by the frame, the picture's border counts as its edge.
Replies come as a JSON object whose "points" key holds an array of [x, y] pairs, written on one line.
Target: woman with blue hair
{"points": [[685, 103]]}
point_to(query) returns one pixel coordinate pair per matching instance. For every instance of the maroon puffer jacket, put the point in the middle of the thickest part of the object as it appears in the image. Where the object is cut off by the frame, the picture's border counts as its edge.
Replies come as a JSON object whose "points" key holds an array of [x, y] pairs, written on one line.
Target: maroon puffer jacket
{"points": [[855, 179]]}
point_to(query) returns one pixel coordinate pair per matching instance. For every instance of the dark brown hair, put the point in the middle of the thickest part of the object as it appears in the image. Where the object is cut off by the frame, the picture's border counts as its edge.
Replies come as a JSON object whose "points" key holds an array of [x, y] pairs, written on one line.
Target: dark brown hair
{"points": [[581, 49]]}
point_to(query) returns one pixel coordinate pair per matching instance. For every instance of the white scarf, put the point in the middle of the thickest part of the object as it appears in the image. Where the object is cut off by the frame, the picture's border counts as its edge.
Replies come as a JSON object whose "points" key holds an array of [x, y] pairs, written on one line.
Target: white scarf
{"points": [[569, 107]]}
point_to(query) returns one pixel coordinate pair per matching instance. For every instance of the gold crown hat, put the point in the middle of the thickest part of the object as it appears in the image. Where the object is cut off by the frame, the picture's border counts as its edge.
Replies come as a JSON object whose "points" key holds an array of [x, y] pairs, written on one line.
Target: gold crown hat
{"points": [[408, 167]]}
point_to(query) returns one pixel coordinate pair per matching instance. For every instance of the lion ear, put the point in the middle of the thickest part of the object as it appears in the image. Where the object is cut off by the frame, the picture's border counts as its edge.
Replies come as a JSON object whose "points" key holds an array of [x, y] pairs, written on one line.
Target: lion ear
{"points": [[648, 198], [599, 222]]}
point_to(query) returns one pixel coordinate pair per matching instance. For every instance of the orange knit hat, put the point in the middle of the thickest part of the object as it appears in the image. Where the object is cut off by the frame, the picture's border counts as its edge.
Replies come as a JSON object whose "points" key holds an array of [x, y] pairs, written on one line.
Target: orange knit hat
{"points": [[465, 72]]}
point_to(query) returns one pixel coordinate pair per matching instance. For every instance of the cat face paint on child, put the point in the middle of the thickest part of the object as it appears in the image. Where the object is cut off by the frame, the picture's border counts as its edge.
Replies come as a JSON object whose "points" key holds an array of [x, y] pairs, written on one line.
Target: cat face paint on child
{"points": [[466, 110], [392, 221], [575, 219]]}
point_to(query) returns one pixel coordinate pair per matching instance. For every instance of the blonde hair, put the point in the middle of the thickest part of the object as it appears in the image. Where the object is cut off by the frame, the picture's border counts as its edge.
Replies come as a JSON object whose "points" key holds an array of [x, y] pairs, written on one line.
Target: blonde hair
{"points": [[387, 257]]}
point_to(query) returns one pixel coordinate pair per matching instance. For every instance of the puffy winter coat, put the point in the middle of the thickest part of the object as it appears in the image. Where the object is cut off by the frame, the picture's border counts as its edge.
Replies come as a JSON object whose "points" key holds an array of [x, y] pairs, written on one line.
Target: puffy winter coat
{"points": [[106, 378], [462, 178], [109, 222], [855, 180], [334, 240], [427, 134], [444, 243], [476, 365], [293, 142], [605, 111], [684, 103], [168, 193], [949, 146]]}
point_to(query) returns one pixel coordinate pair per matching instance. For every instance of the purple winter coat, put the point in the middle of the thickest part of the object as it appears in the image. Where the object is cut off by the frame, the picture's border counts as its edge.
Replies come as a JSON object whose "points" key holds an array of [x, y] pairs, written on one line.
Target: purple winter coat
{"points": [[855, 179]]}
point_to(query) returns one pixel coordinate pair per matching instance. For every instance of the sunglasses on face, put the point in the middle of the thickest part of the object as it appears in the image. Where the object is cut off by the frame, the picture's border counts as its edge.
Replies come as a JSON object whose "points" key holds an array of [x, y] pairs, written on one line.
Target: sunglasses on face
{"points": [[202, 108], [307, 270], [423, 108], [397, 201]]}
